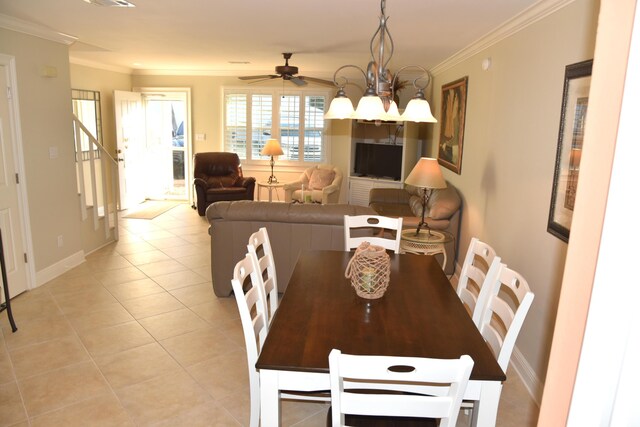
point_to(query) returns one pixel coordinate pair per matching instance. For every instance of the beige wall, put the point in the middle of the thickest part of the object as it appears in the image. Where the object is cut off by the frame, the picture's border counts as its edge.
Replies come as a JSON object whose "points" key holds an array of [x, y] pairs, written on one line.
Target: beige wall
{"points": [[45, 114], [511, 132]]}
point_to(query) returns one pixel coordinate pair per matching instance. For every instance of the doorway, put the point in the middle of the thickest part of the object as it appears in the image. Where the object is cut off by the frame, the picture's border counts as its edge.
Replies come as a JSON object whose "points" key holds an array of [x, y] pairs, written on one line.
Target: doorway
{"points": [[154, 144], [167, 145]]}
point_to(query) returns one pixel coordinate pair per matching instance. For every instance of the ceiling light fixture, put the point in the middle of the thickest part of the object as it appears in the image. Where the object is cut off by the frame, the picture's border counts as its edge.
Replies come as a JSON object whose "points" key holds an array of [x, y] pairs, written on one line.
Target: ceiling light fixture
{"points": [[377, 102]]}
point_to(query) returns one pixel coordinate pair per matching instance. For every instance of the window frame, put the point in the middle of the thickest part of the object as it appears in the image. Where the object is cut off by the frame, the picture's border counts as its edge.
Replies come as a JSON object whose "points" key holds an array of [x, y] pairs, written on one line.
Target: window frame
{"points": [[276, 94]]}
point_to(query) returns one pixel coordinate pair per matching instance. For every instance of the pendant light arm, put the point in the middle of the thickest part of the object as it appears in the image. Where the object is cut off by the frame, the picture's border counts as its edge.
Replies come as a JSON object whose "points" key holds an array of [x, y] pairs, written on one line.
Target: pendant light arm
{"points": [[420, 89], [345, 79]]}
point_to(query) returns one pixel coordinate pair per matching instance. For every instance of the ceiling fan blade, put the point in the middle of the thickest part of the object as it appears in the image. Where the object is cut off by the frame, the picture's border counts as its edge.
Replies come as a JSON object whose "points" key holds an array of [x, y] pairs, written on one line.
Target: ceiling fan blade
{"points": [[265, 76], [262, 80], [298, 81], [319, 81]]}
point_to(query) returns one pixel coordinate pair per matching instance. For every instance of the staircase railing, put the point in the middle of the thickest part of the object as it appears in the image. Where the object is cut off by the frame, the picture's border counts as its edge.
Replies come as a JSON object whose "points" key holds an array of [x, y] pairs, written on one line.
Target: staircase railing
{"points": [[106, 206]]}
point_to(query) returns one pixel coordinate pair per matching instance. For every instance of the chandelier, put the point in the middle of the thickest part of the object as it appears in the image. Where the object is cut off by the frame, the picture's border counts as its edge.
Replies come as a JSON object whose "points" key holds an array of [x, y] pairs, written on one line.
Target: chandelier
{"points": [[377, 102]]}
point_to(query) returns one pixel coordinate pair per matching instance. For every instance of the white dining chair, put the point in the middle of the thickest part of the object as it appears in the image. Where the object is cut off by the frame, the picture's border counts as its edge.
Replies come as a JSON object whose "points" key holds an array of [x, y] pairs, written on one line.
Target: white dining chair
{"points": [[350, 374], [479, 259], [259, 247], [252, 307], [506, 298], [374, 222]]}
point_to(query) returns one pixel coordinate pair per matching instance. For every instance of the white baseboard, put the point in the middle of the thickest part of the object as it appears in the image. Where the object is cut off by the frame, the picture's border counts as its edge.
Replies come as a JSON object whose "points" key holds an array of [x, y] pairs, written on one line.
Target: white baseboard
{"points": [[527, 375], [59, 268]]}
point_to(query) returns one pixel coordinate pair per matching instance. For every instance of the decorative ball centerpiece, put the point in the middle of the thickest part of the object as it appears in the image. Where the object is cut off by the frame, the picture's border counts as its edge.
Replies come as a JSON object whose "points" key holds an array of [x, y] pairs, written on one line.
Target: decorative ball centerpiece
{"points": [[369, 270]]}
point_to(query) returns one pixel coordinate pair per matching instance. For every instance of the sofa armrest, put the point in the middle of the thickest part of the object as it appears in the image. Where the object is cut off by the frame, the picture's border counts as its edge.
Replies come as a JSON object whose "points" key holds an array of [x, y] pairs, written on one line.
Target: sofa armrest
{"points": [[389, 195]]}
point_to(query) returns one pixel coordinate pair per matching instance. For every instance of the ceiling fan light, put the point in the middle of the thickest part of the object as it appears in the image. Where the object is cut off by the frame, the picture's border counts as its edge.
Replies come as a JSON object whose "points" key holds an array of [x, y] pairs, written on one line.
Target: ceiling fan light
{"points": [[419, 111], [370, 108]]}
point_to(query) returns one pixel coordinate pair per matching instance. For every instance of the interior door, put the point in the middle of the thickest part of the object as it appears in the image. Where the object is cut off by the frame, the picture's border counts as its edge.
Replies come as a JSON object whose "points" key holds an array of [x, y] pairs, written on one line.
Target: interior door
{"points": [[10, 214], [131, 143]]}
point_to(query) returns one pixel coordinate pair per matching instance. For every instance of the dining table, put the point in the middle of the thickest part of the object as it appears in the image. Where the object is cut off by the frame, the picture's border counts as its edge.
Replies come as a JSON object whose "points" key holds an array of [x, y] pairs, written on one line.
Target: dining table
{"points": [[419, 315]]}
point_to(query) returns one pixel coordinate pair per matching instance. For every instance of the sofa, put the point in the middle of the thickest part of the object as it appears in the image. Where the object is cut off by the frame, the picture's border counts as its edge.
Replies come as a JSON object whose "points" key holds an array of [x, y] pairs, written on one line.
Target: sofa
{"points": [[292, 228], [218, 176], [442, 214], [320, 182]]}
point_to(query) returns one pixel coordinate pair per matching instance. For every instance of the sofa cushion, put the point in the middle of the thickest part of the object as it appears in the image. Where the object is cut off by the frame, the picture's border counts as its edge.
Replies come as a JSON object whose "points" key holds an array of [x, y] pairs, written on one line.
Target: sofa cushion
{"points": [[321, 178]]}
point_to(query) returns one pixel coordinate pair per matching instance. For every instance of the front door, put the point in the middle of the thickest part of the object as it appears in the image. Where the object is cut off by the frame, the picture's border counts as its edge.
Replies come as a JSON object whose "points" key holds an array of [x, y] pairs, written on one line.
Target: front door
{"points": [[131, 143], [10, 213]]}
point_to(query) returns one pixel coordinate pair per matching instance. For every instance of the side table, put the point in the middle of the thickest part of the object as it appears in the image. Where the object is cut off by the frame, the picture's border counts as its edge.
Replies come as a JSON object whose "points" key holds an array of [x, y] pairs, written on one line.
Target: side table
{"points": [[427, 242], [270, 187]]}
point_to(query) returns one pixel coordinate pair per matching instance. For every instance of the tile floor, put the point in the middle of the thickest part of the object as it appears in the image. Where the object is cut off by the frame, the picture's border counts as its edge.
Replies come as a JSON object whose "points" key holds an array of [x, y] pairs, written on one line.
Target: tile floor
{"points": [[135, 336]]}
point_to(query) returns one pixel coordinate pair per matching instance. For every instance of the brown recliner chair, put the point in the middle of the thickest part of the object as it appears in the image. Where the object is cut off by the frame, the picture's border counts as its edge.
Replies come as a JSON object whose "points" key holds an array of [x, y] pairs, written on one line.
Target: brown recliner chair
{"points": [[218, 176]]}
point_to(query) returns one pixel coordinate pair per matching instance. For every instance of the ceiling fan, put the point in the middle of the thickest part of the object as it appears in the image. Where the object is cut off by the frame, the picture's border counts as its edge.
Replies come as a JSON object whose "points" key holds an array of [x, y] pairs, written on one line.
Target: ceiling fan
{"points": [[287, 72]]}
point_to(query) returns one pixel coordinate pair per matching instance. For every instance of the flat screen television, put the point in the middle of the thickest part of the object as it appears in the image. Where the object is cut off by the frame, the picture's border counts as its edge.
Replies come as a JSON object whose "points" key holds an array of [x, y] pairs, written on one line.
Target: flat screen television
{"points": [[378, 160]]}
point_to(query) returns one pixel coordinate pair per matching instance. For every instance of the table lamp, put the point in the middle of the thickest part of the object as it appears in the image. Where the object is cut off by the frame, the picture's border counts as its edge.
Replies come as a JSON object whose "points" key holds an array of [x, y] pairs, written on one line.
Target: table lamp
{"points": [[426, 175], [272, 148]]}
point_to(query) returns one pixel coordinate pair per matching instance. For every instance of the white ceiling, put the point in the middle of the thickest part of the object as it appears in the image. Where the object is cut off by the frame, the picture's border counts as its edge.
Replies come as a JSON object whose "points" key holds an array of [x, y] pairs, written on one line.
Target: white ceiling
{"points": [[204, 36]]}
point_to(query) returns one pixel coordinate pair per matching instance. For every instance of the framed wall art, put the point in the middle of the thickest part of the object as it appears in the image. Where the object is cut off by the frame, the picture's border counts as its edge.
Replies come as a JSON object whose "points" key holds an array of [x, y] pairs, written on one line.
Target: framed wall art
{"points": [[452, 115], [573, 114]]}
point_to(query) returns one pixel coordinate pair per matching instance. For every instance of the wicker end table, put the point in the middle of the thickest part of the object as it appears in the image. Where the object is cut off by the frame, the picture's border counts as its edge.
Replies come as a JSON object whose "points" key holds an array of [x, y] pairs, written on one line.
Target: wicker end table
{"points": [[426, 242]]}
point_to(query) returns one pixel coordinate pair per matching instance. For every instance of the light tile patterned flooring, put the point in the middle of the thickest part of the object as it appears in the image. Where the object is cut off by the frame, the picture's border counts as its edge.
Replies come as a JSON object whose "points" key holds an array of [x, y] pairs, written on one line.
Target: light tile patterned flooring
{"points": [[135, 336]]}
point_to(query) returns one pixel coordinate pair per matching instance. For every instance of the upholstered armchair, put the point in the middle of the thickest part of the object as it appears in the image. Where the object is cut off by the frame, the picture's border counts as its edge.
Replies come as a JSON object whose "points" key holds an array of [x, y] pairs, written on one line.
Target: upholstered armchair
{"points": [[218, 176], [322, 182]]}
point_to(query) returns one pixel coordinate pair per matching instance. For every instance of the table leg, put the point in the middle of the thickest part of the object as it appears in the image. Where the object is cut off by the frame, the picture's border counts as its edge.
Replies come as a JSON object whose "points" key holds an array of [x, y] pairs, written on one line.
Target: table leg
{"points": [[270, 197], [269, 399], [485, 410], [259, 189]]}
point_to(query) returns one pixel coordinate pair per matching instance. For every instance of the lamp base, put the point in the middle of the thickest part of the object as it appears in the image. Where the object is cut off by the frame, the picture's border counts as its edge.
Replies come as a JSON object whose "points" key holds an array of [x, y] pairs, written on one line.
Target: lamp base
{"points": [[425, 199], [272, 180]]}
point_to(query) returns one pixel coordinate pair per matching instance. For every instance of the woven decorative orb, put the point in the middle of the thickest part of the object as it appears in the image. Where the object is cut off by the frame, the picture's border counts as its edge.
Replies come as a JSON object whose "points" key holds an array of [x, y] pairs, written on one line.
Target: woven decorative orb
{"points": [[369, 271]]}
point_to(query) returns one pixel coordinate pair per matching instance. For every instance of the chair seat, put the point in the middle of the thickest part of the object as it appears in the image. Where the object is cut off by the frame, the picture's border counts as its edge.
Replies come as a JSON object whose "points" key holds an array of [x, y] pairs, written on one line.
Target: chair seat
{"points": [[378, 421]]}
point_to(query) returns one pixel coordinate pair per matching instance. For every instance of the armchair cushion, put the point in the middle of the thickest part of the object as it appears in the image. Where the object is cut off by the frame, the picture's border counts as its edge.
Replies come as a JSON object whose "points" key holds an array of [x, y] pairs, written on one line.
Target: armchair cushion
{"points": [[321, 178]]}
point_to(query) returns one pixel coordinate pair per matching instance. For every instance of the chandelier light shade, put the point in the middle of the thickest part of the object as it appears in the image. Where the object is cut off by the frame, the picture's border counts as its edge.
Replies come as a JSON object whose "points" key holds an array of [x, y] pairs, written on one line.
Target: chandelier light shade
{"points": [[272, 148], [340, 108], [377, 102], [426, 174]]}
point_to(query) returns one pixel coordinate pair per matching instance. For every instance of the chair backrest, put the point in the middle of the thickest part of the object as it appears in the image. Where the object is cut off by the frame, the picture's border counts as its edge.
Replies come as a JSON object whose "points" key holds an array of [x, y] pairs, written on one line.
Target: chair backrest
{"points": [[252, 308], [216, 164], [387, 373], [477, 263], [508, 301], [372, 222], [260, 249]]}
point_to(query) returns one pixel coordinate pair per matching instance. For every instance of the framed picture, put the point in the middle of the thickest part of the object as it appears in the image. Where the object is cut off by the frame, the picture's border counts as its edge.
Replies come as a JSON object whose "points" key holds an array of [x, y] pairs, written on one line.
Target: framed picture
{"points": [[575, 100], [452, 114]]}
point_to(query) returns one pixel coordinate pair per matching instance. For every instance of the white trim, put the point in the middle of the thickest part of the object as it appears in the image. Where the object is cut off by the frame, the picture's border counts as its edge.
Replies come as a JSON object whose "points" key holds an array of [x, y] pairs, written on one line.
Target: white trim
{"points": [[20, 26], [519, 22], [59, 268], [527, 375], [16, 129], [99, 65]]}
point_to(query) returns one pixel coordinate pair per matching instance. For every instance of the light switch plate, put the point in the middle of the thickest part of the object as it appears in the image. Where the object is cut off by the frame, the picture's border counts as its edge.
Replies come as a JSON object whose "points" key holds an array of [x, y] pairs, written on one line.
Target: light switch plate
{"points": [[53, 152]]}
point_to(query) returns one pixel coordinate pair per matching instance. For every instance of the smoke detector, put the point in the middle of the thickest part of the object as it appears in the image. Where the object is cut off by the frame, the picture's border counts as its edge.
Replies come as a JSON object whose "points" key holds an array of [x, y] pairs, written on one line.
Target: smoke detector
{"points": [[110, 3]]}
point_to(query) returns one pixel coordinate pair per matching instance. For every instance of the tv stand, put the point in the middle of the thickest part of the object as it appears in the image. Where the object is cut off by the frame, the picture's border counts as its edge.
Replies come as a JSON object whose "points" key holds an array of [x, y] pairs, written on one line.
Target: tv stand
{"points": [[392, 133]]}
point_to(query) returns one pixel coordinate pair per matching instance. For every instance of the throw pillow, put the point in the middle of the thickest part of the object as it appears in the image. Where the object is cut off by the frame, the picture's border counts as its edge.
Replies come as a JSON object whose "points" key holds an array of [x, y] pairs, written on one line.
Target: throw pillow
{"points": [[321, 178], [443, 203]]}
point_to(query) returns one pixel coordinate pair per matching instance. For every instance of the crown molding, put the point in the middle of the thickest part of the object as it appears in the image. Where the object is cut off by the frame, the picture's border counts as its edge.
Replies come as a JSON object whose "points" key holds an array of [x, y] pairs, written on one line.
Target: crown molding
{"points": [[519, 22], [20, 26], [99, 65]]}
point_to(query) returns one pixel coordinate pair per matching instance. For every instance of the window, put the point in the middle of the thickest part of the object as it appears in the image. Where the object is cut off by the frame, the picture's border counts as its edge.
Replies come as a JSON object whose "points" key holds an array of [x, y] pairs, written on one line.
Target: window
{"points": [[86, 107], [298, 118]]}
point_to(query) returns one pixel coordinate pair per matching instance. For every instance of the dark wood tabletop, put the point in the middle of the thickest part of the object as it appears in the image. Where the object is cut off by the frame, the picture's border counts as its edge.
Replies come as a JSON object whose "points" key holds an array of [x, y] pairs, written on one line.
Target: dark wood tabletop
{"points": [[420, 315]]}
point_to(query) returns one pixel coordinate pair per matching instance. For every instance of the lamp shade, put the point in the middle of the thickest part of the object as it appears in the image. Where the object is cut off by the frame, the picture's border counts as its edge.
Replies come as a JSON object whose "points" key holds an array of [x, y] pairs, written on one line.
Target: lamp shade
{"points": [[392, 114], [370, 108], [426, 174], [340, 108], [418, 110], [272, 148]]}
